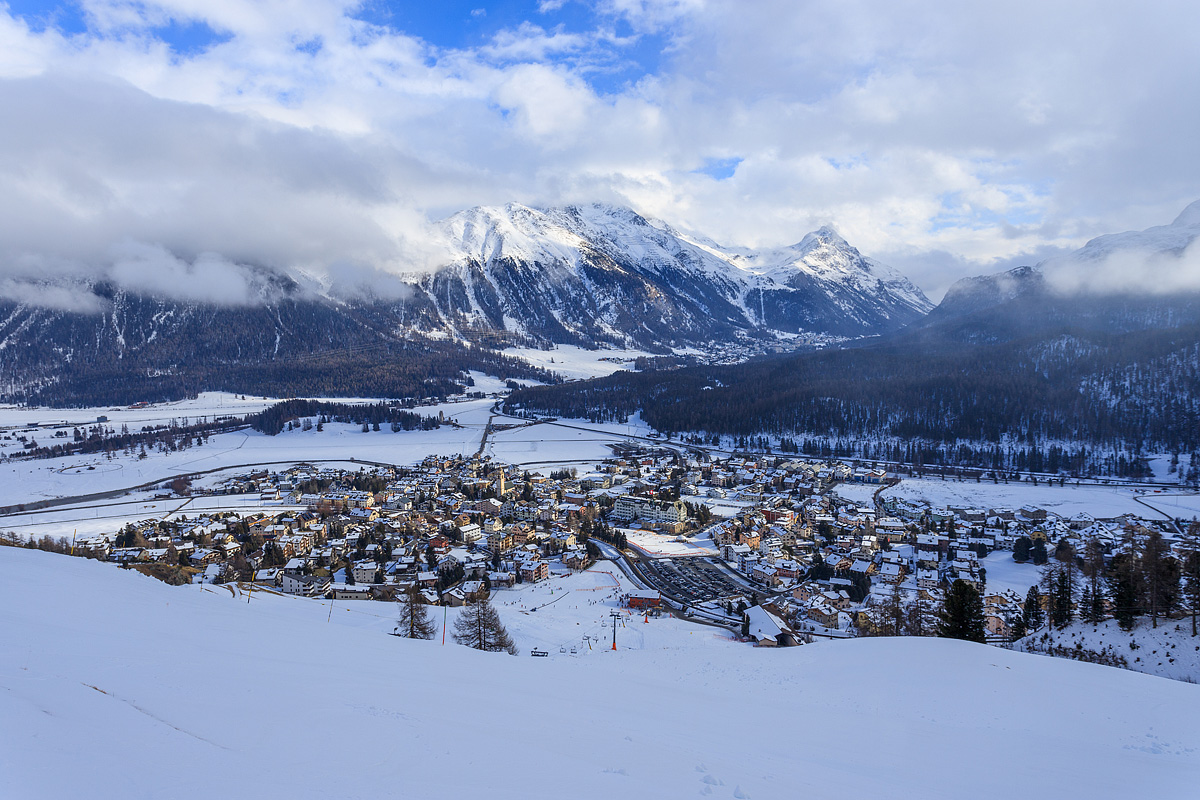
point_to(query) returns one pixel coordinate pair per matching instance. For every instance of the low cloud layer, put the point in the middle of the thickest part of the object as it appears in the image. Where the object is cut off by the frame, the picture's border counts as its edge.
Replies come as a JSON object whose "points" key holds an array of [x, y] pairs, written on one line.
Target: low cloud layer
{"points": [[950, 140], [1137, 271]]}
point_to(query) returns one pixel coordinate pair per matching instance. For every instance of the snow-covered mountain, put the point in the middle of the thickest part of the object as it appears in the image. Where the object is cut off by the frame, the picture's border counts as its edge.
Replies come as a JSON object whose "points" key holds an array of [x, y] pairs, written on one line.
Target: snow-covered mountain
{"points": [[600, 273], [583, 275]]}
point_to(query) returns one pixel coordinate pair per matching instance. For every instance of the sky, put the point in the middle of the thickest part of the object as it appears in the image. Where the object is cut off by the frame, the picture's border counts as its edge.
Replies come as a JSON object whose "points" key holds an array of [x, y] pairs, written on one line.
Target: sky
{"points": [[171, 140]]}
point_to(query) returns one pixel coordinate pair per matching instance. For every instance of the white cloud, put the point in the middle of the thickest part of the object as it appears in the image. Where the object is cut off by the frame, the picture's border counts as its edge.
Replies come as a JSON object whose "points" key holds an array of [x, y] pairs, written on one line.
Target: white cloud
{"points": [[953, 138], [1129, 272]]}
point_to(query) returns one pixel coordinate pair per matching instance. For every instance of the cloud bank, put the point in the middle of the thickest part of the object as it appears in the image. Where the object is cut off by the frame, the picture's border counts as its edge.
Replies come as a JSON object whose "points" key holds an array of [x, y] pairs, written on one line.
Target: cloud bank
{"points": [[305, 135]]}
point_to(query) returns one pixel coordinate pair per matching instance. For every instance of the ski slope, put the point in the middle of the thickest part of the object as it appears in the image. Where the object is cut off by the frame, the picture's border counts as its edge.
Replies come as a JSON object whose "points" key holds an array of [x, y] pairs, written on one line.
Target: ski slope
{"points": [[115, 685]]}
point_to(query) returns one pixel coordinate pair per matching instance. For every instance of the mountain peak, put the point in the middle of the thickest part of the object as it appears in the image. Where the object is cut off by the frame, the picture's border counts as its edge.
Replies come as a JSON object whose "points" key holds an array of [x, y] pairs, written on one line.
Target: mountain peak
{"points": [[823, 236], [1189, 217]]}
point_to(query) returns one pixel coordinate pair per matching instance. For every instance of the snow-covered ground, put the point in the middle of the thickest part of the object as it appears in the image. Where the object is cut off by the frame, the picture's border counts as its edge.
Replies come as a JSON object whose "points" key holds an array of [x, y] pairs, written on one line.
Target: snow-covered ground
{"points": [[1069, 500], [722, 507], [96, 518], [571, 361], [658, 544], [1175, 504], [573, 612], [23, 481], [1169, 651], [115, 685], [206, 404], [1004, 574], [550, 446], [862, 494]]}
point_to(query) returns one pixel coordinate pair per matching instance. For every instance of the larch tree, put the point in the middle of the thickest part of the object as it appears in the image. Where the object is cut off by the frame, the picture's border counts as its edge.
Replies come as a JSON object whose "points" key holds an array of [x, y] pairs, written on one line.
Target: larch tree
{"points": [[479, 626], [1092, 597], [1160, 577], [1190, 570]]}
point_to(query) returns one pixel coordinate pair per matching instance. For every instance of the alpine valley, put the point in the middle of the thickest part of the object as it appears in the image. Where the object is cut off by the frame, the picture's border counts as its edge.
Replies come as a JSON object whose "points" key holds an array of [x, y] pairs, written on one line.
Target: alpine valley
{"points": [[592, 276]]}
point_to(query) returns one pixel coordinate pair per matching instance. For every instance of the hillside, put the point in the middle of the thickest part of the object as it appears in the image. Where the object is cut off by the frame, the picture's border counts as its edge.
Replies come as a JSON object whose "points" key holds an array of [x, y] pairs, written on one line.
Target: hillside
{"points": [[1168, 651], [115, 685]]}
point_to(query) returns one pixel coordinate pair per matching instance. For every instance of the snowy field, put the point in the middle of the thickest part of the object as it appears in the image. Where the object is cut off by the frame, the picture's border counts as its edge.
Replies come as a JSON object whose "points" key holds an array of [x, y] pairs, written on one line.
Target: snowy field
{"points": [[91, 519], [571, 361], [339, 709], [1177, 505], [541, 448], [722, 507], [1067, 501], [206, 404], [25, 481], [572, 617], [657, 544], [547, 447], [861, 494], [1004, 574]]}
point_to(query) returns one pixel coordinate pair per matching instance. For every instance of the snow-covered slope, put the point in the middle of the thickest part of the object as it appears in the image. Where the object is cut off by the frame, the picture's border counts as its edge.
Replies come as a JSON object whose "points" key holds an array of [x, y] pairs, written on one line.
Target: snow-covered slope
{"points": [[1159, 239], [114, 685], [1169, 650]]}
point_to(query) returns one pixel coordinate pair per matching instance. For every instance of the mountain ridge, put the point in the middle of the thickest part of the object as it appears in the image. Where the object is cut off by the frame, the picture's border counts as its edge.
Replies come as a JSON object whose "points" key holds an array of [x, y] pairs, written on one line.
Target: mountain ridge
{"points": [[592, 276]]}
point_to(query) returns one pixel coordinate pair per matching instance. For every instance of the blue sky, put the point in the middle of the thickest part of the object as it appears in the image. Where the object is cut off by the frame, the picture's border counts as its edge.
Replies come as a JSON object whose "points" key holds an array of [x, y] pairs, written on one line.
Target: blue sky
{"points": [[944, 139], [607, 66]]}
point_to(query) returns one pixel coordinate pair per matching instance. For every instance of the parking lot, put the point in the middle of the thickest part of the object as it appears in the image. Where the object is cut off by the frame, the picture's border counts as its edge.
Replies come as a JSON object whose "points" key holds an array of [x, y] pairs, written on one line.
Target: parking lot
{"points": [[692, 579]]}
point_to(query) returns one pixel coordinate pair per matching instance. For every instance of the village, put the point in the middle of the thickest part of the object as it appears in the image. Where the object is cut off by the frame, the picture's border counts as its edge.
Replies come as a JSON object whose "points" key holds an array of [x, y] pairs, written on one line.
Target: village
{"points": [[779, 551]]}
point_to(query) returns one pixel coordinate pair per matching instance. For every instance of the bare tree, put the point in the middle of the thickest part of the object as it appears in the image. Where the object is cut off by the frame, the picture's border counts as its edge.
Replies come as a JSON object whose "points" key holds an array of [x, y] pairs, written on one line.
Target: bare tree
{"points": [[1191, 573], [1161, 573], [1092, 599], [479, 627]]}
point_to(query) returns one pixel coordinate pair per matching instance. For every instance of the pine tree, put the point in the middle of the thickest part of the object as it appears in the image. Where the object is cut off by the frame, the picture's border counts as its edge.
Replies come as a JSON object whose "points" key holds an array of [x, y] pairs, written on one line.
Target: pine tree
{"points": [[1039, 553], [479, 626], [1018, 627], [962, 615], [414, 621], [1032, 615], [1125, 580]]}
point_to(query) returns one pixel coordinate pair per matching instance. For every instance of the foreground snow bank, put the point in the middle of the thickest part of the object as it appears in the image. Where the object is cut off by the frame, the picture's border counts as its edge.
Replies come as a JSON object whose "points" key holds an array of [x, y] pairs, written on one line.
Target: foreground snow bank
{"points": [[114, 685]]}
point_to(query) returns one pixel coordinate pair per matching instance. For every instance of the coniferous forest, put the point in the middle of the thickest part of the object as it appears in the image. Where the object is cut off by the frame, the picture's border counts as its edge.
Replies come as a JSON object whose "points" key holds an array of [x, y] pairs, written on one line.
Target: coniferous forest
{"points": [[1042, 389]]}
